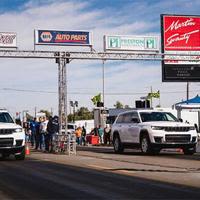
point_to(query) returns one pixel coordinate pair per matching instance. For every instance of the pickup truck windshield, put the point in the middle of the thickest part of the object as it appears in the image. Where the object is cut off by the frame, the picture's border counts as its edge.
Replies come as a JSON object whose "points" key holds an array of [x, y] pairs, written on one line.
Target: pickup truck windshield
{"points": [[157, 116], [5, 118]]}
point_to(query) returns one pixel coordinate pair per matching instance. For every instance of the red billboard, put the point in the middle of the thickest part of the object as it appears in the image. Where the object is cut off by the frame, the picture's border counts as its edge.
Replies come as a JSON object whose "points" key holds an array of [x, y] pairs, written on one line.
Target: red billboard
{"points": [[181, 33], [180, 39]]}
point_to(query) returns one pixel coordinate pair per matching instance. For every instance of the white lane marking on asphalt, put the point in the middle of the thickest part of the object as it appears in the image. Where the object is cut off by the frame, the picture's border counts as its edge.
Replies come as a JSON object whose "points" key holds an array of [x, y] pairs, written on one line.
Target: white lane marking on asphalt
{"points": [[112, 169], [100, 167]]}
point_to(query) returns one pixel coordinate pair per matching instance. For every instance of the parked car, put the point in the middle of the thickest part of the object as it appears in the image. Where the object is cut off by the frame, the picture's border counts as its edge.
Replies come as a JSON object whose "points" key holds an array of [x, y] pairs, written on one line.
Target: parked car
{"points": [[12, 137], [71, 127], [152, 131]]}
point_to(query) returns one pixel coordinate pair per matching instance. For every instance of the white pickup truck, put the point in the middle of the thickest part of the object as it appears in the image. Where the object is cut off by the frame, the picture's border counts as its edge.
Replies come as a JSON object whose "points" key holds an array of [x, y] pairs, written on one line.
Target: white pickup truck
{"points": [[152, 131], [12, 137]]}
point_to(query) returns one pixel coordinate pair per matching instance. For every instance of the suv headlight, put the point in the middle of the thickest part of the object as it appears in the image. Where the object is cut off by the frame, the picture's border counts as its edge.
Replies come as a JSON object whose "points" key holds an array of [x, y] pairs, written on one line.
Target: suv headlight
{"points": [[192, 128], [157, 128], [17, 130]]}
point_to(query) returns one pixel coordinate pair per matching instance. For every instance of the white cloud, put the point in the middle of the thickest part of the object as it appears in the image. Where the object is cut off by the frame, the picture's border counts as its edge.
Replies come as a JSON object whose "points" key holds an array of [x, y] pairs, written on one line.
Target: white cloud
{"points": [[85, 76]]}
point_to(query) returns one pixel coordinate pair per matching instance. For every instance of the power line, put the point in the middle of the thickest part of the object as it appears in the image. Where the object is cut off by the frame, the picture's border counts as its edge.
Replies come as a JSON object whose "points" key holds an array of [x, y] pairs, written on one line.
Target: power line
{"points": [[93, 93]]}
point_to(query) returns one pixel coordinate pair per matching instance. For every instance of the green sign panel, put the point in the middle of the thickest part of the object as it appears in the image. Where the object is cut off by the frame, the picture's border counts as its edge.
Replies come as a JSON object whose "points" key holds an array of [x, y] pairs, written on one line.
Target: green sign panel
{"points": [[132, 43]]}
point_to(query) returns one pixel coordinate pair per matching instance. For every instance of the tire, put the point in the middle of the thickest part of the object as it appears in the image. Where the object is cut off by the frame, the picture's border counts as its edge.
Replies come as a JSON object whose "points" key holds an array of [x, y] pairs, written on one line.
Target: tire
{"points": [[21, 156], [118, 146], [189, 151], [145, 145], [4, 156]]}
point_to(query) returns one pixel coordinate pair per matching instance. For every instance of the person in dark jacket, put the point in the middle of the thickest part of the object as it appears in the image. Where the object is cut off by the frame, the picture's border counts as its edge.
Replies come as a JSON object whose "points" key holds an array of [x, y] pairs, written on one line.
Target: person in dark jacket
{"points": [[33, 126], [47, 137], [52, 129]]}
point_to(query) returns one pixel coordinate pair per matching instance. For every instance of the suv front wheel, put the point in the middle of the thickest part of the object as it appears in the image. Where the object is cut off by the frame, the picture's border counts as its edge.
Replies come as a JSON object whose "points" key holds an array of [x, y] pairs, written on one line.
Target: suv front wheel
{"points": [[118, 146], [21, 156], [189, 151], [145, 144]]}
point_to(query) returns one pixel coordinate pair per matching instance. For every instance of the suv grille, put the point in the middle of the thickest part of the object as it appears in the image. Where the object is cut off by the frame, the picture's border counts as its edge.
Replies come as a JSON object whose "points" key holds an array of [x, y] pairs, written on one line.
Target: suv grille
{"points": [[6, 131], [177, 138], [6, 142], [177, 129]]}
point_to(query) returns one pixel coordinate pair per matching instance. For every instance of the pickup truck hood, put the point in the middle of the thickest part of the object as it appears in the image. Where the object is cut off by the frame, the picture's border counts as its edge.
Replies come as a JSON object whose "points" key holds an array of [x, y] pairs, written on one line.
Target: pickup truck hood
{"points": [[166, 123]]}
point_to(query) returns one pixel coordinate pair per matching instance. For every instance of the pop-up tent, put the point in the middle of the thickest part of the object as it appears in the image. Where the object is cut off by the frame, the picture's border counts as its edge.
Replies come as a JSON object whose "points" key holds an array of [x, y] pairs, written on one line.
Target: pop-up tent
{"points": [[193, 103], [190, 104]]}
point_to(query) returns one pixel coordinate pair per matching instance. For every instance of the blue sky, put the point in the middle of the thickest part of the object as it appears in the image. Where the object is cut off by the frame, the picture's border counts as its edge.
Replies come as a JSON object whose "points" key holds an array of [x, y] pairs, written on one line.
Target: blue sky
{"points": [[121, 17]]}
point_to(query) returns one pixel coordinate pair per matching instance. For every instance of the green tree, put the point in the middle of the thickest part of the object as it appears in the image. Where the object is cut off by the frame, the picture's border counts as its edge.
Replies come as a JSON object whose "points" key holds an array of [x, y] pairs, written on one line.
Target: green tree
{"points": [[81, 114], [118, 105]]}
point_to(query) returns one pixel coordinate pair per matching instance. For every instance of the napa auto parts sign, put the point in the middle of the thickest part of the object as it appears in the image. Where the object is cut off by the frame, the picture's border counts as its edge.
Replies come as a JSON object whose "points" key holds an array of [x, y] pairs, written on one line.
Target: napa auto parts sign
{"points": [[8, 40], [52, 37], [180, 39]]}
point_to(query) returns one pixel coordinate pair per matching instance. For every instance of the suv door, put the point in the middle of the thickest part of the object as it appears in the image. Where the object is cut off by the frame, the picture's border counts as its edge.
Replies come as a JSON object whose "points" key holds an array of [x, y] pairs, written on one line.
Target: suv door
{"points": [[133, 128], [126, 122]]}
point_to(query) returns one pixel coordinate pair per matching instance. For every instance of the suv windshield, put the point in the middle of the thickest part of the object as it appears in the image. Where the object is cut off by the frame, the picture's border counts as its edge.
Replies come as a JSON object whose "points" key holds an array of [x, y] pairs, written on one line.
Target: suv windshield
{"points": [[157, 116], [5, 118]]}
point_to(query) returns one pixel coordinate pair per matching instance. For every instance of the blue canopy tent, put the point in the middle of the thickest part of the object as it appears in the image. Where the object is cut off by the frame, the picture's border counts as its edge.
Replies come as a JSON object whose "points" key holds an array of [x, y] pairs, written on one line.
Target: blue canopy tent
{"points": [[190, 104]]}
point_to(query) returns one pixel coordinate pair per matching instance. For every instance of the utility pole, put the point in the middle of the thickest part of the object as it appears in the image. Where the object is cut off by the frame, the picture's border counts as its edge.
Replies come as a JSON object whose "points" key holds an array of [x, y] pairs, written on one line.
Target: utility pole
{"points": [[103, 82], [151, 98], [187, 93], [35, 111]]}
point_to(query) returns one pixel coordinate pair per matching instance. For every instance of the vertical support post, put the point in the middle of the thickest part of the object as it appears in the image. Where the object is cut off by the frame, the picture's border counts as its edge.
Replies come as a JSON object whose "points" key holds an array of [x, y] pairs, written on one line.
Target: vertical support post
{"points": [[62, 96], [62, 93], [151, 99], [103, 82], [187, 93]]}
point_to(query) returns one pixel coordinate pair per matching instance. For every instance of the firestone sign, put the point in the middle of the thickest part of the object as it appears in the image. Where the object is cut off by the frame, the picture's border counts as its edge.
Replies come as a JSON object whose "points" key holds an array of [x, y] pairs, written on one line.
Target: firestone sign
{"points": [[131, 43], [180, 35], [8, 40], [71, 38]]}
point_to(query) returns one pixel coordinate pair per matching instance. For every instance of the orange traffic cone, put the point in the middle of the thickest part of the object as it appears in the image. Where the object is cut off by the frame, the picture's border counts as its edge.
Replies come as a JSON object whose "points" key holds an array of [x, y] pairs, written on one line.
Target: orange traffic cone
{"points": [[27, 150]]}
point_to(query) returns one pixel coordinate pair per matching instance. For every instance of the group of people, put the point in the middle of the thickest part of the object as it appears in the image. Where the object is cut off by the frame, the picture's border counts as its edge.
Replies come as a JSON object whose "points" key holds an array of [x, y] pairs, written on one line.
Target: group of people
{"points": [[103, 134], [40, 133]]}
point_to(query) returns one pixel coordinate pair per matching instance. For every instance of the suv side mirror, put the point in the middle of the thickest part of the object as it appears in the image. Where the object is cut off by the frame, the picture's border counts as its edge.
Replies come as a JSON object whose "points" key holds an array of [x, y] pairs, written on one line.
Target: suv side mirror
{"points": [[180, 120], [135, 120]]}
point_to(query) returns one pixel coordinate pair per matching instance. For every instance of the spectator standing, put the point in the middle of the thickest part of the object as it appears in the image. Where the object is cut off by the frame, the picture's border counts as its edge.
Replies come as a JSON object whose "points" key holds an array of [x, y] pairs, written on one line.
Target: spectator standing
{"points": [[83, 135], [48, 136], [95, 130], [54, 131], [43, 131], [107, 131], [100, 134], [38, 135], [33, 125], [78, 134]]}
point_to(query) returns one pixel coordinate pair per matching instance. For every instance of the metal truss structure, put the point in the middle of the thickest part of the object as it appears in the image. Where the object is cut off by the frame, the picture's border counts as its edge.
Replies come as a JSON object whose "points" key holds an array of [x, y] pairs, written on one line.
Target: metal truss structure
{"points": [[62, 58], [98, 55]]}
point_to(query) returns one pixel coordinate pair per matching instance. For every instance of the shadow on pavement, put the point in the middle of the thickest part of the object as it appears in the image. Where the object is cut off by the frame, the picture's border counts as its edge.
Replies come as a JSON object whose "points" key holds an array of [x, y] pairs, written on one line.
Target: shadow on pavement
{"points": [[37, 179]]}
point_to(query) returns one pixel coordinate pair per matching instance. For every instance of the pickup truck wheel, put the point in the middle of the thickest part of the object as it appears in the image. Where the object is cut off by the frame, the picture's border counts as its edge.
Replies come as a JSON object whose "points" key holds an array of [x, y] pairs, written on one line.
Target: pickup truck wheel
{"points": [[118, 146], [21, 156], [145, 144], [188, 151]]}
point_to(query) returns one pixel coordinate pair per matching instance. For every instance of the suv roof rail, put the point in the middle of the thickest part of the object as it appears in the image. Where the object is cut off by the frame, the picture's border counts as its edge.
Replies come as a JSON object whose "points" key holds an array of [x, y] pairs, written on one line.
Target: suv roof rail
{"points": [[3, 109]]}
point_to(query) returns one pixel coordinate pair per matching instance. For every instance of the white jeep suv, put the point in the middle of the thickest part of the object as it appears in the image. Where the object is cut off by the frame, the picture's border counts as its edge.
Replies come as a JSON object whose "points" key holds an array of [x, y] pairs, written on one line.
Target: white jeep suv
{"points": [[12, 137], [152, 131]]}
